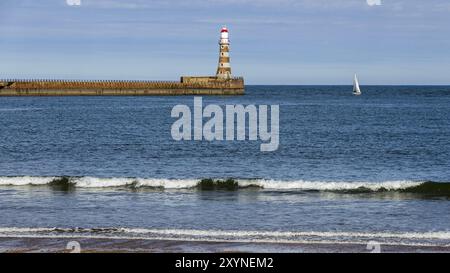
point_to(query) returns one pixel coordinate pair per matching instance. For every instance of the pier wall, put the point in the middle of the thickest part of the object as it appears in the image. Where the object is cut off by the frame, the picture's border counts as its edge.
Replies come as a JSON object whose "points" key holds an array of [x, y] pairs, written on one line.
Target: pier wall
{"points": [[186, 86]]}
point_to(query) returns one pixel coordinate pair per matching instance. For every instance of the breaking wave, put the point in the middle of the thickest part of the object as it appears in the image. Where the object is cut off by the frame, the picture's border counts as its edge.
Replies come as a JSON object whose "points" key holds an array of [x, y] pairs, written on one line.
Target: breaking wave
{"points": [[419, 187], [436, 238]]}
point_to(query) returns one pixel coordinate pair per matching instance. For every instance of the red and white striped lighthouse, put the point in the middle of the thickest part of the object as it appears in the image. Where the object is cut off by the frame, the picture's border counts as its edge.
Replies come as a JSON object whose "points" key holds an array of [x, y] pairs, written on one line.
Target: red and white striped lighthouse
{"points": [[224, 68]]}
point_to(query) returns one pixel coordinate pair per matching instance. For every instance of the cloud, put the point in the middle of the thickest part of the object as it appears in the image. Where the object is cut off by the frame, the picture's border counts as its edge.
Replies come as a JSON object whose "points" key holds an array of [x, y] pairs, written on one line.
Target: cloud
{"points": [[374, 2], [143, 4], [73, 2]]}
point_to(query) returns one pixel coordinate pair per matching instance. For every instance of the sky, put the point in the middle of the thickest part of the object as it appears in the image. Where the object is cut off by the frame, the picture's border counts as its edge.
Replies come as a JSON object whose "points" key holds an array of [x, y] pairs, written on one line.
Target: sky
{"points": [[272, 42]]}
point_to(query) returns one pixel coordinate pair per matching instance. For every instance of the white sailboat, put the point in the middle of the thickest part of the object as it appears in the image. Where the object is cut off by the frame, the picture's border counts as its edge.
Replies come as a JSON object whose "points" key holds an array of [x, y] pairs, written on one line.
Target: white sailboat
{"points": [[356, 89]]}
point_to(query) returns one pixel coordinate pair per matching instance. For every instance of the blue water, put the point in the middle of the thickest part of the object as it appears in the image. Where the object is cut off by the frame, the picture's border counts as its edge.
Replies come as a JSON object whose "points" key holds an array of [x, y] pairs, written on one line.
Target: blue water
{"points": [[390, 134]]}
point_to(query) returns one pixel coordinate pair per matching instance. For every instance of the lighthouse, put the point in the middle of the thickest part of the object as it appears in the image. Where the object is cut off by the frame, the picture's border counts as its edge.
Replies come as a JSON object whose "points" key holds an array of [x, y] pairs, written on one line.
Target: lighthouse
{"points": [[224, 68]]}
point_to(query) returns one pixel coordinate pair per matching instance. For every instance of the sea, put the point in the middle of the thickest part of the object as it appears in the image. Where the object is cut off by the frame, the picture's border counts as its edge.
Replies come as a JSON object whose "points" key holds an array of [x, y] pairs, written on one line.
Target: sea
{"points": [[348, 169]]}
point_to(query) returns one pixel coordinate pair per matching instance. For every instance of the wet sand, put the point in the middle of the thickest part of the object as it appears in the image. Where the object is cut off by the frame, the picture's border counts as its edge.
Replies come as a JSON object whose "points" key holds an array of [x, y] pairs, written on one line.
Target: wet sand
{"points": [[91, 245]]}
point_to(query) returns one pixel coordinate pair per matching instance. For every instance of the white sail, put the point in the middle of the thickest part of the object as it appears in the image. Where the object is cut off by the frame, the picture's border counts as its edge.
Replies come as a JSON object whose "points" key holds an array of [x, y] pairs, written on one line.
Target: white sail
{"points": [[356, 89]]}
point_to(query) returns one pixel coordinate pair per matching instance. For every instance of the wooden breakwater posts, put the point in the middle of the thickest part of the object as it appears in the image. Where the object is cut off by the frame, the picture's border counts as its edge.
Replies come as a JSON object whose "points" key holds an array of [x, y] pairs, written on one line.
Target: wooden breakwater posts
{"points": [[186, 86]]}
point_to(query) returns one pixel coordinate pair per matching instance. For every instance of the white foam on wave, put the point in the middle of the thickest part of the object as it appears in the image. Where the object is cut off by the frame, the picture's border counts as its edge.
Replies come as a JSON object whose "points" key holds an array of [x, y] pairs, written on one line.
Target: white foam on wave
{"points": [[25, 180], [168, 183], [95, 182], [328, 186], [238, 233], [98, 182], [405, 238]]}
